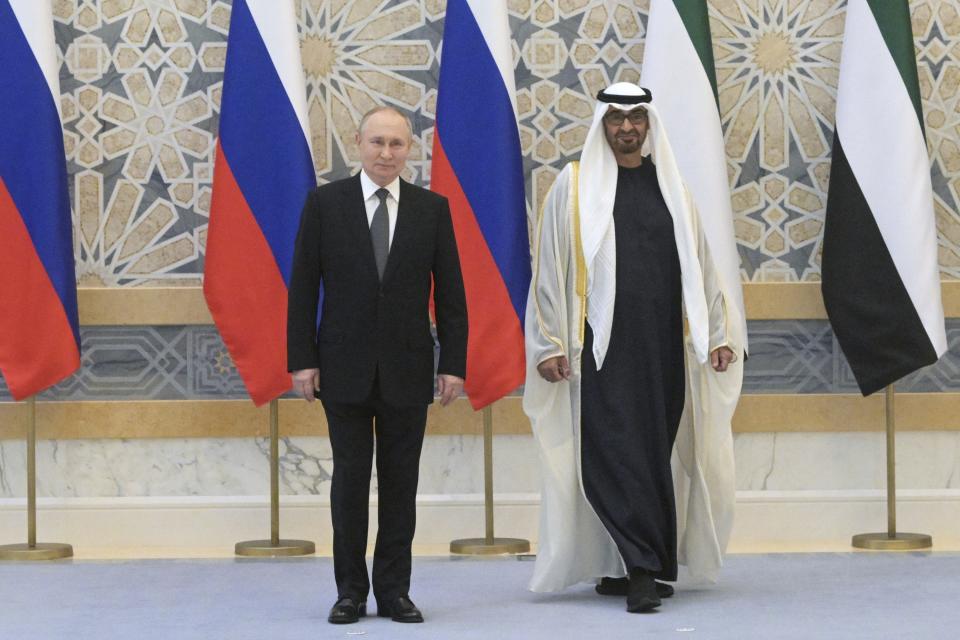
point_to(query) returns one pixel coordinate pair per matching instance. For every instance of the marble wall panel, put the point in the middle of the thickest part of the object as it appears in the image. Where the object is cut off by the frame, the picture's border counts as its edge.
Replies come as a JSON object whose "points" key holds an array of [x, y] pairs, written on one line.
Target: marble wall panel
{"points": [[451, 465], [240, 467], [141, 83]]}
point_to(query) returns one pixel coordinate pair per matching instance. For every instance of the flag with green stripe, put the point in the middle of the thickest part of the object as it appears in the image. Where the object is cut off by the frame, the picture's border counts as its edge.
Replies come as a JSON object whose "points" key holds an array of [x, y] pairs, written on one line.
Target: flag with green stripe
{"points": [[881, 284], [678, 69]]}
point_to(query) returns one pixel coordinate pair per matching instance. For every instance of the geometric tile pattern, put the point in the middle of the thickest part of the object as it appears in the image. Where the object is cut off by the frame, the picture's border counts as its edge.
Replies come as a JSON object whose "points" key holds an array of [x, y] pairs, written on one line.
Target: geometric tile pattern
{"points": [[943, 376], [155, 363], [795, 356], [191, 362], [141, 83], [777, 74], [803, 356]]}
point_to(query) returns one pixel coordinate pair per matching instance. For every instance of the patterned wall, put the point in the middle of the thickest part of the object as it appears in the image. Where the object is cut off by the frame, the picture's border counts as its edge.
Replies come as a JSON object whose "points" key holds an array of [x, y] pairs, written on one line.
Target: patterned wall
{"points": [[141, 83], [192, 363]]}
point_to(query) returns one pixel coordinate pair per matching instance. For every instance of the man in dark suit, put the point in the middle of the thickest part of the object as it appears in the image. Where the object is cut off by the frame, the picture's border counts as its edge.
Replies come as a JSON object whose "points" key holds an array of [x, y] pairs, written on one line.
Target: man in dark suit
{"points": [[375, 243]]}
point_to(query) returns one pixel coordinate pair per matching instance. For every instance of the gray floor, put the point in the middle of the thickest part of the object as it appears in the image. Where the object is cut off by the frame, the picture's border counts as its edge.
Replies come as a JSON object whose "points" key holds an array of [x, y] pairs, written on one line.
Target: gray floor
{"points": [[809, 596]]}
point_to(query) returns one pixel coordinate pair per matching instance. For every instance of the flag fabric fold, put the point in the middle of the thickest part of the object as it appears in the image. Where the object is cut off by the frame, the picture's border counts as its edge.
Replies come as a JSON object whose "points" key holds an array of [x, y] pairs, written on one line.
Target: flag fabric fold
{"points": [[881, 284], [263, 172], [477, 164], [39, 329]]}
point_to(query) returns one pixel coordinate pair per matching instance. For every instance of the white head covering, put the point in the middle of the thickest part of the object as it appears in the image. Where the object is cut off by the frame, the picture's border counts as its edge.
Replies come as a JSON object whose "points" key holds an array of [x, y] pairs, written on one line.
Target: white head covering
{"points": [[598, 189]]}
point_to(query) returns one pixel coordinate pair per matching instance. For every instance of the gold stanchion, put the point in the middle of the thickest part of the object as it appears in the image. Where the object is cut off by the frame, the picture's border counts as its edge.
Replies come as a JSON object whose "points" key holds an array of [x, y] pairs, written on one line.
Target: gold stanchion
{"points": [[489, 545], [892, 540], [274, 546], [33, 550]]}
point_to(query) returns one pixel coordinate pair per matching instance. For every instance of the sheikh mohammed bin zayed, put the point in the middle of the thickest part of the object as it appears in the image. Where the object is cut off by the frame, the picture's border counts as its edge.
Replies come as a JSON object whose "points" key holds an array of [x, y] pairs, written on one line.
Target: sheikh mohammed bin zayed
{"points": [[615, 388]]}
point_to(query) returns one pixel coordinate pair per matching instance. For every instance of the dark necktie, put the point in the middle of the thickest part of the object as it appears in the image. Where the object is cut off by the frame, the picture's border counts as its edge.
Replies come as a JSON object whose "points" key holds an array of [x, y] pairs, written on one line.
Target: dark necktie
{"points": [[380, 232]]}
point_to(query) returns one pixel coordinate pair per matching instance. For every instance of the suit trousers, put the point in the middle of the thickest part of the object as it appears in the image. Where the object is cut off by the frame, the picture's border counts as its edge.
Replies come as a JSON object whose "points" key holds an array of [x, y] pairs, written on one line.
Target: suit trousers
{"points": [[398, 435]]}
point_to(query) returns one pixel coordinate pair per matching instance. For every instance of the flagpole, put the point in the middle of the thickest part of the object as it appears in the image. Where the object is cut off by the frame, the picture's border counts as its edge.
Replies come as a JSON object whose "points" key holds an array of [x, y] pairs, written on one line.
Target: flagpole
{"points": [[32, 550], [274, 546], [891, 540], [489, 544]]}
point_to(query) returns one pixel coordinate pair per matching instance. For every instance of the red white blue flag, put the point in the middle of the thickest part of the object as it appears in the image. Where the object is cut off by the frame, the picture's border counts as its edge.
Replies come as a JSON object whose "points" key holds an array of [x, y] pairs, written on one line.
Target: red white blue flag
{"points": [[262, 175], [478, 166], [39, 335]]}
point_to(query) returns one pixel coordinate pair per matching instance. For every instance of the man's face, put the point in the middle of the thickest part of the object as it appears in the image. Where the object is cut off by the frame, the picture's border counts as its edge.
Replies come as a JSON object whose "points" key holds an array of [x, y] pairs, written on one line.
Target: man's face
{"points": [[384, 144], [625, 130]]}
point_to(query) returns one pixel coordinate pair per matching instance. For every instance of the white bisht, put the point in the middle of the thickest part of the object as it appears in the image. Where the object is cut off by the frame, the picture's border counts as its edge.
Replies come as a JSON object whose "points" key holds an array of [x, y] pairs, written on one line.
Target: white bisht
{"points": [[575, 261]]}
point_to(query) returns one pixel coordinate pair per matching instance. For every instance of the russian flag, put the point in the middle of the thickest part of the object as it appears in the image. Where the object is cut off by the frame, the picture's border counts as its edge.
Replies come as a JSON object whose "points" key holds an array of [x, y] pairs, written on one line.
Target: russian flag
{"points": [[478, 166], [39, 333], [262, 175]]}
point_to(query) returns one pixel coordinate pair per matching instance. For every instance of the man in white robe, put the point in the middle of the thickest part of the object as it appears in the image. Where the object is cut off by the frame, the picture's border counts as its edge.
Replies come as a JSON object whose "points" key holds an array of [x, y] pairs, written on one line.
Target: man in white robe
{"points": [[588, 533]]}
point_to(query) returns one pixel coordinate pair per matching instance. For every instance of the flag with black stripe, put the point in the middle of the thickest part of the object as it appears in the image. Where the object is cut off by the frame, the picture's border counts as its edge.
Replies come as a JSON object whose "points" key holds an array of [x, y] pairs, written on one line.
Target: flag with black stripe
{"points": [[881, 284]]}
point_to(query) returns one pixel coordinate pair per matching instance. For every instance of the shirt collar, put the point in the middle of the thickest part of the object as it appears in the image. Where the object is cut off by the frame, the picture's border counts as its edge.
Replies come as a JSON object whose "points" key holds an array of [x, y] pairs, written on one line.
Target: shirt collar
{"points": [[370, 187]]}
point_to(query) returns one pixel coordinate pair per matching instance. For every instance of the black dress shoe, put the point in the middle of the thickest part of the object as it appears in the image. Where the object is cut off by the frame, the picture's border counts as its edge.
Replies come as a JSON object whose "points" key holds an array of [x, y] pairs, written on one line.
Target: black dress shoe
{"points": [[642, 593], [664, 590], [618, 587], [612, 586], [346, 610], [400, 609]]}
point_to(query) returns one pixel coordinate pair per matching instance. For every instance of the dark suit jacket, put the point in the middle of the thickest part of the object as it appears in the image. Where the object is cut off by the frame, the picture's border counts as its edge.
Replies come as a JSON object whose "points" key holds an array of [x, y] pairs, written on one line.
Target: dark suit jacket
{"points": [[367, 326]]}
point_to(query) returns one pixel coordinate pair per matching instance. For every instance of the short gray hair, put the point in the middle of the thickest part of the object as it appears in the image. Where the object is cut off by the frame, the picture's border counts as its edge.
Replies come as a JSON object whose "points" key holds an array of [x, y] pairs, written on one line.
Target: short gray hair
{"points": [[376, 110]]}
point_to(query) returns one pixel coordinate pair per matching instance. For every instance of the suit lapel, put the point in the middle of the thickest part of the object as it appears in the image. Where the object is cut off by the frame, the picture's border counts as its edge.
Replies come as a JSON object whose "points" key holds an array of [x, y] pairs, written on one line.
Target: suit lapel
{"points": [[401, 233], [355, 214]]}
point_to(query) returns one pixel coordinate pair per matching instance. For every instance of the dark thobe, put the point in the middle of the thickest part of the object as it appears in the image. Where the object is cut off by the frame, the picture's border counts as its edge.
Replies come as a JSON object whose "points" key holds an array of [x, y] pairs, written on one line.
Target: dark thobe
{"points": [[631, 407]]}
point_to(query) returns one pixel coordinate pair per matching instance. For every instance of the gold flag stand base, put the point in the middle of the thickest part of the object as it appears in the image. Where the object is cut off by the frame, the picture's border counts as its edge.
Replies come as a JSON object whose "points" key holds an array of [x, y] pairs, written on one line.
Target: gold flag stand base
{"points": [[270, 549], [31, 550], [896, 542], [275, 546], [891, 540], [488, 545], [484, 547], [39, 551]]}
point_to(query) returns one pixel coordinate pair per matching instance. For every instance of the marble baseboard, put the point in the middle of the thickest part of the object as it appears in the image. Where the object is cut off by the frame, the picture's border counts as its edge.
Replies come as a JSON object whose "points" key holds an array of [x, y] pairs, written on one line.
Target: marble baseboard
{"points": [[450, 465], [845, 461], [765, 520], [827, 520]]}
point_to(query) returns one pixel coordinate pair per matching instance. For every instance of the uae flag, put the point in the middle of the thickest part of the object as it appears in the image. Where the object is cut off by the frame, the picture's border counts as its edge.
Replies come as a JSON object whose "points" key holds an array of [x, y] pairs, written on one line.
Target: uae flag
{"points": [[881, 285], [678, 69]]}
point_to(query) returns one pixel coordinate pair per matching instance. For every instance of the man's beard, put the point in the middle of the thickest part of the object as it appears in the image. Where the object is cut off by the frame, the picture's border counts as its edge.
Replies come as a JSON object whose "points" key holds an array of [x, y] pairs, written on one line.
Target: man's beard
{"points": [[628, 146]]}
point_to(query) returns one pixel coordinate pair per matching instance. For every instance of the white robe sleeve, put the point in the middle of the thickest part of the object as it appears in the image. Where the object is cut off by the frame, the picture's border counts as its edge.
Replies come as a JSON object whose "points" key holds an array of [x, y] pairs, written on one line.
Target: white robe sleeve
{"points": [[716, 303], [551, 268]]}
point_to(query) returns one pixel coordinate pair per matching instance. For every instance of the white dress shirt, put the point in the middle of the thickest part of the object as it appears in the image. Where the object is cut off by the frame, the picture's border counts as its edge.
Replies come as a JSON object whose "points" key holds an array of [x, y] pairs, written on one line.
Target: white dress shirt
{"points": [[371, 201]]}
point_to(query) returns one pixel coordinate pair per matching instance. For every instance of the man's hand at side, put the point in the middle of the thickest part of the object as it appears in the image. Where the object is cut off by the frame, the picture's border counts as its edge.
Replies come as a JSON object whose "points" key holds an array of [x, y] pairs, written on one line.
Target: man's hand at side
{"points": [[554, 369], [305, 382], [449, 388], [720, 358]]}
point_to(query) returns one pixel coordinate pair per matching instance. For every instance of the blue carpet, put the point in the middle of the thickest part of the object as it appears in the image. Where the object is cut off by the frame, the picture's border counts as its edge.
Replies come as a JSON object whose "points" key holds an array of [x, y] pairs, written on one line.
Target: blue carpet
{"points": [[809, 596]]}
